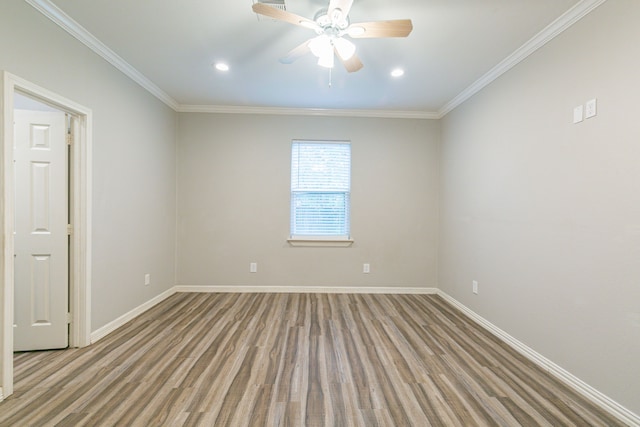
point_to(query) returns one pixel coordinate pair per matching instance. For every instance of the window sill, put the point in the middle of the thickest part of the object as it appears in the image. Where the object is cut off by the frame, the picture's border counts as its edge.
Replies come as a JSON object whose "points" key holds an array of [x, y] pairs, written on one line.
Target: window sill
{"points": [[320, 242]]}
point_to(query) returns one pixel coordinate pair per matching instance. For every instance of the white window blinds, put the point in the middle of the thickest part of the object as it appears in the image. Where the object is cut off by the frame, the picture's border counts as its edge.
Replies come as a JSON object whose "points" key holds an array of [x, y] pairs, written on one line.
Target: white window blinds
{"points": [[320, 189]]}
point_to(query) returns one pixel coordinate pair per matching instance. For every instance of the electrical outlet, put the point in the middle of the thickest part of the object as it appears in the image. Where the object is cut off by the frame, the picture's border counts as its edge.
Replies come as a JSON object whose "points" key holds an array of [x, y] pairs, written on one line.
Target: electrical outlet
{"points": [[253, 267], [147, 279], [366, 268], [474, 285]]}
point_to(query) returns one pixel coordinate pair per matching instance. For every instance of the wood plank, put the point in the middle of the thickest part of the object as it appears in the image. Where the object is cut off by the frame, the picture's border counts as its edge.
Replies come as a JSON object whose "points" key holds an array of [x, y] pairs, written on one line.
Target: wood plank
{"points": [[293, 360]]}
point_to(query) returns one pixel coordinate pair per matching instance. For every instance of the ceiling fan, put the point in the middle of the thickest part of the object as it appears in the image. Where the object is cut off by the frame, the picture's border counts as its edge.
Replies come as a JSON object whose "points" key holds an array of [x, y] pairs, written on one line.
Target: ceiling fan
{"points": [[331, 25]]}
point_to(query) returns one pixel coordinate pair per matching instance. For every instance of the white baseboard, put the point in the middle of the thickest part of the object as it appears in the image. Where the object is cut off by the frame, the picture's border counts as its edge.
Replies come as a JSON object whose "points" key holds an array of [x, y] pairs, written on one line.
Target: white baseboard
{"points": [[563, 375], [306, 289], [112, 326]]}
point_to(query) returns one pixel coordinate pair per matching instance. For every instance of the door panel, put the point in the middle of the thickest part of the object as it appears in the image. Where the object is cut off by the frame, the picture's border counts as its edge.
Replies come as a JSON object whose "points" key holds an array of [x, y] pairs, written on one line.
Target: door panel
{"points": [[41, 241]]}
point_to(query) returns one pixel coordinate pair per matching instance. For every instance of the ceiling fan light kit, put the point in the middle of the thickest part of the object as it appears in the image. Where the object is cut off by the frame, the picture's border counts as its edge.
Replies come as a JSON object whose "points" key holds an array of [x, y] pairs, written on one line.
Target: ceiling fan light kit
{"points": [[322, 48], [320, 45], [331, 25]]}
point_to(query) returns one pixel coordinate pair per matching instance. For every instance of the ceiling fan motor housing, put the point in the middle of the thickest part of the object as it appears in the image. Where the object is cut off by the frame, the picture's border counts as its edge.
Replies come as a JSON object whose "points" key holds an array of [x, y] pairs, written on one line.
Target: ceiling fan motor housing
{"points": [[333, 25]]}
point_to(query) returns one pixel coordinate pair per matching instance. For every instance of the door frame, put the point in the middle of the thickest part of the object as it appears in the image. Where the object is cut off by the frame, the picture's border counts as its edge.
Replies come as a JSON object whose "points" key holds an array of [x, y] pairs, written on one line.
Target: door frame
{"points": [[80, 196]]}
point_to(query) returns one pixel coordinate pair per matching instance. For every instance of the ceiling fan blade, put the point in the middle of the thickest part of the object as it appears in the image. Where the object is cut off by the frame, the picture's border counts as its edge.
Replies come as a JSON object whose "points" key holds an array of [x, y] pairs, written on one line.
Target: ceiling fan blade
{"points": [[283, 15], [352, 64], [296, 53], [343, 5], [379, 29]]}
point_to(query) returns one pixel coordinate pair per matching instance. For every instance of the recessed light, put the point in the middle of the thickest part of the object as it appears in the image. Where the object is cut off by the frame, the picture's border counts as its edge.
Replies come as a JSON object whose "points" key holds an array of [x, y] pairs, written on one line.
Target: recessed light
{"points": [[398, 72], [221, 66]]}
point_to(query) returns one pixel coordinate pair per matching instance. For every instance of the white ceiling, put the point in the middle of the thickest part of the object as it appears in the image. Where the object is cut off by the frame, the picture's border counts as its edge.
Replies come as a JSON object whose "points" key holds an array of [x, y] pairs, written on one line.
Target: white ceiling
{"points": [[455, 45]]}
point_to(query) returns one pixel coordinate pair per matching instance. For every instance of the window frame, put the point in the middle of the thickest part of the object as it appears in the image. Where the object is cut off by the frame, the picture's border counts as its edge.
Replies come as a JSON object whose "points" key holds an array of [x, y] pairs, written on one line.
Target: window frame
{"points": [[319, 240]]}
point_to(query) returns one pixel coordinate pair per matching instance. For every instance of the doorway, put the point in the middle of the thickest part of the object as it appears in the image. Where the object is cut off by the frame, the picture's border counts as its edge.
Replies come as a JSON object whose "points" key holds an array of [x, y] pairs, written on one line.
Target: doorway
{"points": [[79, 215]]}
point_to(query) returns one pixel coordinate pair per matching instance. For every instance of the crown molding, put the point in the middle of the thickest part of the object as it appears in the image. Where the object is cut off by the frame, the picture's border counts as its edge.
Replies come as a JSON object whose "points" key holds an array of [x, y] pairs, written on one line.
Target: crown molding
{"points": [[64, 21], [227, 109], [552, 30]]}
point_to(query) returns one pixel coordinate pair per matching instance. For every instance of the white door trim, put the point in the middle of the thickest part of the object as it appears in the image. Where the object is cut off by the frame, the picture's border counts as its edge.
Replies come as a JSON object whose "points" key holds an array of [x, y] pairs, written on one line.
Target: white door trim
{"points": [[80, 256]]}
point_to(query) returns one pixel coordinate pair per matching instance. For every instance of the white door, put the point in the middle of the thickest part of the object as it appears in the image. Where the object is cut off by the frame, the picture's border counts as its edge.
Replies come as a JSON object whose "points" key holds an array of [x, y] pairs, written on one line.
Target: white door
{"points": [[41, 239]]}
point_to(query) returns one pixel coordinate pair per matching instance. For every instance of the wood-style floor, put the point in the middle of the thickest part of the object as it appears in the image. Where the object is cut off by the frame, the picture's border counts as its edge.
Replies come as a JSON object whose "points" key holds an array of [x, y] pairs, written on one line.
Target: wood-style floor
{"points": [[293, 360]]}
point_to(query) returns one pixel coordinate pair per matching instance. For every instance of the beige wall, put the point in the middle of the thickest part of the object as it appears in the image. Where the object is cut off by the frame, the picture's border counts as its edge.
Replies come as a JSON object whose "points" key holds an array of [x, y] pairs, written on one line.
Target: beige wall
{"points": [[233, 198], [545, 214], [133, 158]]}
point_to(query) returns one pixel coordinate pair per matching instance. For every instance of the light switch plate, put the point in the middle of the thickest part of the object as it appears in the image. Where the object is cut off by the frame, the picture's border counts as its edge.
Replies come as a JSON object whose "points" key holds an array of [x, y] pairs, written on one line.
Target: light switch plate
{"points": [[591, 108], [578, 114]]}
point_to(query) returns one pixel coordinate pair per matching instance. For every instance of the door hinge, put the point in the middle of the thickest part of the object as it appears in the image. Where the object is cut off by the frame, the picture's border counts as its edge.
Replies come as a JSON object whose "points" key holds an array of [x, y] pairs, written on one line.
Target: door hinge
{"points": [[69, 229], [69, 318], [69, 139]]}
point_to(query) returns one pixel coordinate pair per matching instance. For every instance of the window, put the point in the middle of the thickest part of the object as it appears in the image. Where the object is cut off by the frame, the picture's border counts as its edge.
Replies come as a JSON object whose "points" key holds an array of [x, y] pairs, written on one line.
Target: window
{"points": [[320, 190]]}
